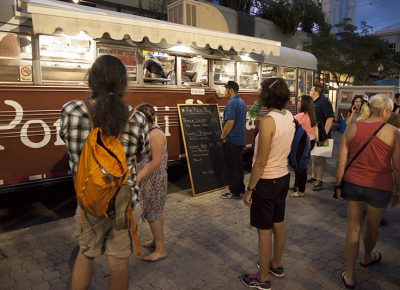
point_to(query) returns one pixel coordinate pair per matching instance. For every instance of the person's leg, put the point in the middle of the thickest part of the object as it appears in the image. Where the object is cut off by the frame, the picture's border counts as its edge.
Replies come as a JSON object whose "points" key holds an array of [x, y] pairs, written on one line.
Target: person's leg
{"points": [[301, 180], [279, 244], [82, 272], [160, 252], [264, 252], [355, 214], [313, 167], [241, 187], [229, 165], [374, 217], [118, 273], [320, 164]]}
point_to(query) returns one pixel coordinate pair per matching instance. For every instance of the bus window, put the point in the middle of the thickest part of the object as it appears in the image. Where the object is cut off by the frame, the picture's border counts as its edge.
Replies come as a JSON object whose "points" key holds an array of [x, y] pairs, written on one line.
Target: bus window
{"points": [[158, 67], [309, 80], [248, 75], [194, 72], [65, 58], [224, 71], [269, 71], [289, 75], [15, 58], [301, 84], [126, 54]]}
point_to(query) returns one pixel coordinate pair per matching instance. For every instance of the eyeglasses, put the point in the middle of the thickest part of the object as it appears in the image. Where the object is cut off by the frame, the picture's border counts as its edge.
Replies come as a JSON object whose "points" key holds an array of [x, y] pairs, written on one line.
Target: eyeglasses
{"points": [[271, 85]]}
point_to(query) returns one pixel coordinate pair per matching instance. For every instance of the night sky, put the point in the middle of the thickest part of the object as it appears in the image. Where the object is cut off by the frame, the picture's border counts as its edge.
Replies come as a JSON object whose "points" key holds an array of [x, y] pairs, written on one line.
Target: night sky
{"points": [[377, 13]]}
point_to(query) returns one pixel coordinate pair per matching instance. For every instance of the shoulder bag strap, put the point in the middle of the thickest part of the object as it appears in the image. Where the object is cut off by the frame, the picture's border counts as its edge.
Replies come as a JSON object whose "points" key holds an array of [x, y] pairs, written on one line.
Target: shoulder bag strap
{"points": [[364, 146]]}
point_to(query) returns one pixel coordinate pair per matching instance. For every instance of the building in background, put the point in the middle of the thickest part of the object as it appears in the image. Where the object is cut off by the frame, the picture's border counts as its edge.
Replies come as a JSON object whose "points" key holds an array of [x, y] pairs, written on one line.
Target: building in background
{"points": [[336, 10], [391, 34]]}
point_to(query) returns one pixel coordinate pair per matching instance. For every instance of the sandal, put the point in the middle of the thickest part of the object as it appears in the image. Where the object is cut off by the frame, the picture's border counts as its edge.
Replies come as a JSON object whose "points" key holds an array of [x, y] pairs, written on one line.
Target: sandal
{"points": [[376, 257], [348, 286]]}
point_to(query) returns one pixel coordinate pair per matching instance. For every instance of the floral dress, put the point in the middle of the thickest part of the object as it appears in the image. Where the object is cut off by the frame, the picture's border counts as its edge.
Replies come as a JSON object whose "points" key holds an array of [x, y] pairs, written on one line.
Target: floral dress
{"points": [[153, 188]]}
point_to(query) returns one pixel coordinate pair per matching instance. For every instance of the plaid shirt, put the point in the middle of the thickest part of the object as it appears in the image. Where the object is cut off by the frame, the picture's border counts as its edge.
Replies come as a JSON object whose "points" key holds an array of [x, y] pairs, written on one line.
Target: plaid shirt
{"points": [[75, 128]]}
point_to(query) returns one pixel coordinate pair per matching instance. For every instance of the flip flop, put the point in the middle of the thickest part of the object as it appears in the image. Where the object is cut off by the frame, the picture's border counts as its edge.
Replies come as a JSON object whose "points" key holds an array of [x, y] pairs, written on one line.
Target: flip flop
{"points": [[161, 258], [377, 257], [344, 282]]}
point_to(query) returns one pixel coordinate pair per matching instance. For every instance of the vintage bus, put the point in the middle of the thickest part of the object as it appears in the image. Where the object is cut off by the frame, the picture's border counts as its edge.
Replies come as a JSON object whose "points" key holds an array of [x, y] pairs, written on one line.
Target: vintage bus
{"points": [[47, 47]]}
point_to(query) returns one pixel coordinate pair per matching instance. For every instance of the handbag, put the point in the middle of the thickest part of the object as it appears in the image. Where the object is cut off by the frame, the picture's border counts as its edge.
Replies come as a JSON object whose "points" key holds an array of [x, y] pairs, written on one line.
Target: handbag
{"points": [[355, 156]]}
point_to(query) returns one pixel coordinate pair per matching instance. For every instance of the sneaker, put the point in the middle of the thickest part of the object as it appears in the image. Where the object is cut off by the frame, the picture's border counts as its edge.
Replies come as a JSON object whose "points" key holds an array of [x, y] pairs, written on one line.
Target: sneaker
{"points": [[318, 185], [276, 272], [253, 281], [296, 194], [311, 180], [230, 195], [294, 188]]}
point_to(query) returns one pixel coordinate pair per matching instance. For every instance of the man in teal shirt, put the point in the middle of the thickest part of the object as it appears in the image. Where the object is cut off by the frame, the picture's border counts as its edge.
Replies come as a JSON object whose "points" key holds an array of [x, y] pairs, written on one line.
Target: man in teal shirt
{"points": [[233, 136]]}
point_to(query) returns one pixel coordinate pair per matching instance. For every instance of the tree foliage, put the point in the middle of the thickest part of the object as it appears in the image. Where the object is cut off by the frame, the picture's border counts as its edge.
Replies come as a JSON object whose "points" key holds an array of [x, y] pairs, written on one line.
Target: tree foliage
{"points": [[350, 53]]}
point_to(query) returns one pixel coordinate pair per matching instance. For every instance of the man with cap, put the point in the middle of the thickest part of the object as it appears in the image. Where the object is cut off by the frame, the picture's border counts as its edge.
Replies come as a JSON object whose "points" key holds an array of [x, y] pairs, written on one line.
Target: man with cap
{"points": [[233, 138], [152, 67]]}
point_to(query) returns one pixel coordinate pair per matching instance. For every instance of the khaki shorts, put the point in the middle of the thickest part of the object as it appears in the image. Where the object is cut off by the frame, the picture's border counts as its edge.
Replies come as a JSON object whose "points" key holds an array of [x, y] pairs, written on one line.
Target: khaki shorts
{"points": [[97, 236]]}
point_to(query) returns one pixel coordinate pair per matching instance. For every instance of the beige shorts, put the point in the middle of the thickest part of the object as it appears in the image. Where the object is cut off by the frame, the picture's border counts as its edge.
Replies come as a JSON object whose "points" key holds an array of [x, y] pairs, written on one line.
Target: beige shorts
{"points": [[97, 236]]}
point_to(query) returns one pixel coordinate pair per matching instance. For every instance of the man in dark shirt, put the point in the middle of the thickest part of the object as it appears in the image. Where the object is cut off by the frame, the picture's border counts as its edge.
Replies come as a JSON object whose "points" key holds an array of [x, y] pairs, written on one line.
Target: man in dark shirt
{"points": [[152, 67], [325, 116]]}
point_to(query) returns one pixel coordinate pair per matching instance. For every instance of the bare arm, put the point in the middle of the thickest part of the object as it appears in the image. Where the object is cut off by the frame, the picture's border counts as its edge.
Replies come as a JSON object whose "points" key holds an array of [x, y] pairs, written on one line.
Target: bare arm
{"points": [[396, 168], [328, 124], [157, 144], [227, 128], [267, 131], [145, 72]]}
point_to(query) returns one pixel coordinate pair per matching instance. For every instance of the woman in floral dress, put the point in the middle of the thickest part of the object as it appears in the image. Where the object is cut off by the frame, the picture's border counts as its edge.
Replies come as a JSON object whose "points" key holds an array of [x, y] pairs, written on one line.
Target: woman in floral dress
{"points": [[153, 179]]}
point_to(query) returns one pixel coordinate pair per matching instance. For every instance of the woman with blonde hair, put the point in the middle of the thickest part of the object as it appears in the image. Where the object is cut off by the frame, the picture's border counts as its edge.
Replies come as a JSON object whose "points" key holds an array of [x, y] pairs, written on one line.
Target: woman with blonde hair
{"points": [[153, 180], [371, 150]]}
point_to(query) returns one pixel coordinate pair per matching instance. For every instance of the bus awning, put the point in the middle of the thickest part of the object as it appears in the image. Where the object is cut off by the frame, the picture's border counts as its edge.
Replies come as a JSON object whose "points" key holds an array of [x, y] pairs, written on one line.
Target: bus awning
{"points": [[49, 15]]}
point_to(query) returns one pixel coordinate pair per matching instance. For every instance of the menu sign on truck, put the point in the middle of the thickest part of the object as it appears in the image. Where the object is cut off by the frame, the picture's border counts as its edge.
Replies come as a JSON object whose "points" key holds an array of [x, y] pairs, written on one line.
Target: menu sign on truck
{"points": [[201, 131]]}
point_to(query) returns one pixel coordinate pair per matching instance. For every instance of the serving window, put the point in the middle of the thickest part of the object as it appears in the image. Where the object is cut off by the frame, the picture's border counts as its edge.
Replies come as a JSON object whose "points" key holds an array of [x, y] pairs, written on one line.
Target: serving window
{"points": [[65, 58], [223, 71], [309, 80], [269, 71], [194, 71], [127, 55], [301, 82], [15, 57], [248, 75], [158, 67], [289, 75]]}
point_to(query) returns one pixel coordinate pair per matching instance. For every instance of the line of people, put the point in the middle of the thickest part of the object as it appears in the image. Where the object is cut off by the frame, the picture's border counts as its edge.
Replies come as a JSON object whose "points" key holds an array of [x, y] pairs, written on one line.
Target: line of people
{"points": [[268, 185]]}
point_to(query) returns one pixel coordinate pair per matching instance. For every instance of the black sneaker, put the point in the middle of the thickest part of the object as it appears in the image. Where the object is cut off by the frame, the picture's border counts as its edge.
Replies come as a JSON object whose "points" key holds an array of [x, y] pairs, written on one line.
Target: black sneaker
{"points": [[311, 180], [318, 185], [276, 272], [230, 195], [253, 281]]}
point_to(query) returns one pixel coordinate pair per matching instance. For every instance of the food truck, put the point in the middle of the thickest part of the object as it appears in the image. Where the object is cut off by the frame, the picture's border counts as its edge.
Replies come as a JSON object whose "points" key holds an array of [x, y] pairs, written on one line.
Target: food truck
{"points": [[47, 47]]}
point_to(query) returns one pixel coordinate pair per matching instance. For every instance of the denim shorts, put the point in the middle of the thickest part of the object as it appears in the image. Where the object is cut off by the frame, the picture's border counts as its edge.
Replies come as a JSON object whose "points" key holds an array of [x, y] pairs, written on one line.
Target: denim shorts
{"points": [[374, 197]]}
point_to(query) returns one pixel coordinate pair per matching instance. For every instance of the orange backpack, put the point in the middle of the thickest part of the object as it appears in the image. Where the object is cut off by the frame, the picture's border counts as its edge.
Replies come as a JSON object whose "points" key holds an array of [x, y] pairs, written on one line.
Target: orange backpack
{"points": [[102, 173]]}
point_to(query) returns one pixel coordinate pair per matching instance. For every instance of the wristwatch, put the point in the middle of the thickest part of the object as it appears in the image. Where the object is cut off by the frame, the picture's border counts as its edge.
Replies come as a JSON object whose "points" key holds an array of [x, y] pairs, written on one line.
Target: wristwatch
{"points": [[250, 189]]}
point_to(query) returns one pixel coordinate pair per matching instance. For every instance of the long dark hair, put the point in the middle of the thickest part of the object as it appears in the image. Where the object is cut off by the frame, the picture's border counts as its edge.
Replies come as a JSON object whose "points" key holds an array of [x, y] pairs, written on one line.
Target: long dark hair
{"points": [[108, 81], [148, 111], [354, 100], [274, 93], [307, 106]]}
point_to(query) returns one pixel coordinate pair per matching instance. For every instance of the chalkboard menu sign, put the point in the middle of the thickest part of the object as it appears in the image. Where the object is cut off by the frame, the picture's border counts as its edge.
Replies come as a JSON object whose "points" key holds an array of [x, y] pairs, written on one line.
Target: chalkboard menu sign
{"points": [[201, 131]]}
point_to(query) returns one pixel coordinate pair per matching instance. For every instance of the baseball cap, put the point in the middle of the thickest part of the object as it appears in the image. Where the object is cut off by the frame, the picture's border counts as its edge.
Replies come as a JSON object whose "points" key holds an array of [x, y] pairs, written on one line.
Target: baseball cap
{"points": [[232, 85]]}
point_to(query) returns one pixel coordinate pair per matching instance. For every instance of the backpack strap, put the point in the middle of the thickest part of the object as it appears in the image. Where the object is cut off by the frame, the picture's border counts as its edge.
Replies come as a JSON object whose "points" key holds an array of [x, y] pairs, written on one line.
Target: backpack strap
{"points": [[90, 110], [134, 233]]}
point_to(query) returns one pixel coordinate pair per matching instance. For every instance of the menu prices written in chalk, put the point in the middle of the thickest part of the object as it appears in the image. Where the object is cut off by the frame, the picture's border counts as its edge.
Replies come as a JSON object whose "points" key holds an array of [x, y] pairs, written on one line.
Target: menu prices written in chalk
{"points": [[201, 131]]}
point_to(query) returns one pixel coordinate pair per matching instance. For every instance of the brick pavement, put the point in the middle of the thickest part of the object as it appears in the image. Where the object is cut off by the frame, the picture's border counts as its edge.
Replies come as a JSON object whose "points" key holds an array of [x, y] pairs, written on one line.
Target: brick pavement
{"points": [[210, 243]]}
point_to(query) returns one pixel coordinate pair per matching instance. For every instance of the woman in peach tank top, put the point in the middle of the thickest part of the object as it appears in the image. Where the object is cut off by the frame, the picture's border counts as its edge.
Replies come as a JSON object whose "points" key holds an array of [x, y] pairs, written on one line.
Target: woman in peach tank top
{"points": [[370, 182], [269, 182]]}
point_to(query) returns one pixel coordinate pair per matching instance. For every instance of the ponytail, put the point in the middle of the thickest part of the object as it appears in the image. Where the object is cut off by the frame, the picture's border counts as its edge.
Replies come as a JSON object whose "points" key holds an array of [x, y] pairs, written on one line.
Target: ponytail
{"points": [[108, 81]]}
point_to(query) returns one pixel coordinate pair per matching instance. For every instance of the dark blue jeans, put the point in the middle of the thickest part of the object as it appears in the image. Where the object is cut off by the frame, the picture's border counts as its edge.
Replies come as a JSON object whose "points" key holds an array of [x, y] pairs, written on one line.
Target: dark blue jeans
{"points": [[234, 173]]}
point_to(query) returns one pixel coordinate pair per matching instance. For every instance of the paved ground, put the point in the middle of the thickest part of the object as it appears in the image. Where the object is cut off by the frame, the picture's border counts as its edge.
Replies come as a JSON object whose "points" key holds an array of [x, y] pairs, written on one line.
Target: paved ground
{"points": [[210, 243]]}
